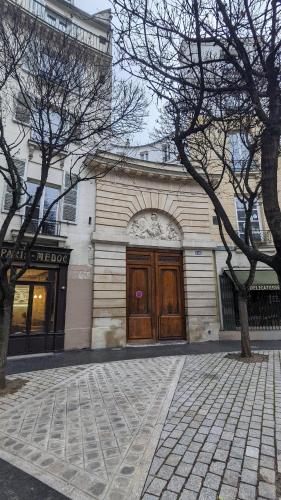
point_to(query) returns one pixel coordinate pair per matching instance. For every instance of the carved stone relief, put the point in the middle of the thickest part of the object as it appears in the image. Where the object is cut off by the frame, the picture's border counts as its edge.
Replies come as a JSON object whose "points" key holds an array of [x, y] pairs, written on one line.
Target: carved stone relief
{"points": [[154, 226]]}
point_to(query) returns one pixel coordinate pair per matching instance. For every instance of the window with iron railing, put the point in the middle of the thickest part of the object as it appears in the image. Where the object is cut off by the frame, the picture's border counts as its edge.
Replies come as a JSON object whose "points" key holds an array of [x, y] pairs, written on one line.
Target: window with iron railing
{"points": [[50, 225], [57, 20], [255, 221]]}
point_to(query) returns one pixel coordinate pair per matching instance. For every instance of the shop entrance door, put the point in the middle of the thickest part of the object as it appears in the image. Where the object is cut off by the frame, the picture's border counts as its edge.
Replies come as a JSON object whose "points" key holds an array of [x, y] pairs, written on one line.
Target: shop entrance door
{"points": [[30, 309], [33, 311], [155, 305]]}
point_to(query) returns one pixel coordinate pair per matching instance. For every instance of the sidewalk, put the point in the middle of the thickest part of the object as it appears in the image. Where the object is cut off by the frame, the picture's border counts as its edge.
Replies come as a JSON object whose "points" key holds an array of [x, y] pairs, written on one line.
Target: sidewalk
{"points": [[222, 437], [73, 358], [87, 431], [180, 426]]}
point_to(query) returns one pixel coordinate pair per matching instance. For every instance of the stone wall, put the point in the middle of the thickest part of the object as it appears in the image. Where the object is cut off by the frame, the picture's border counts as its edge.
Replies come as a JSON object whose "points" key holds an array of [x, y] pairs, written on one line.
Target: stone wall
{"points": [[109, 295], [200, 295], [122, 195]]}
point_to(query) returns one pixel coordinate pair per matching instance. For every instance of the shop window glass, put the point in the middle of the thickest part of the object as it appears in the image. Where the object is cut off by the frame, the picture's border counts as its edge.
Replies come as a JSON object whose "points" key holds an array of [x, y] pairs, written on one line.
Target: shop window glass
{"points": [[34, 302], [35, 275], [20, 309], [39, 301]]}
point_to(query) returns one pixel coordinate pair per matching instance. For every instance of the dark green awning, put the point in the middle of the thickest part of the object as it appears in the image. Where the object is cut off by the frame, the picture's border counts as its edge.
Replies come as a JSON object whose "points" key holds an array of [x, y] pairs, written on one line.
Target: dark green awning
{"points": [[265, 279]]}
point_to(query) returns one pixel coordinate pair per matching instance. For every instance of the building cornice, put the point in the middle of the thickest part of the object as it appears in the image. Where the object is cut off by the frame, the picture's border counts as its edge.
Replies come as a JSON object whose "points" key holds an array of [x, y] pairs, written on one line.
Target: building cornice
{"points": [[128, 166], [86, 32], [91, 18]]}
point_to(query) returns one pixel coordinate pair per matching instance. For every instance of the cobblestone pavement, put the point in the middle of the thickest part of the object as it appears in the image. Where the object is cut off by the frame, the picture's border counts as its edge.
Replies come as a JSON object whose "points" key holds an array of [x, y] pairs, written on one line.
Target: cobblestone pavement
{"points": [[87, 431], [222, 436], [189, 427], [37, 382]]}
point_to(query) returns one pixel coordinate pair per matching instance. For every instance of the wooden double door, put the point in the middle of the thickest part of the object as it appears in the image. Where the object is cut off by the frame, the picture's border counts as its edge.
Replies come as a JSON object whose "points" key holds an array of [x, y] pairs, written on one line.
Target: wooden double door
{"points": [[155, 303]]}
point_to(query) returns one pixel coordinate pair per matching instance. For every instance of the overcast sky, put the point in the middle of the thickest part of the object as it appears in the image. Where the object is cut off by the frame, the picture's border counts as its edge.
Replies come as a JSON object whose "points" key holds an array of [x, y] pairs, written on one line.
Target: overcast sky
{"points": [[92, 6]]}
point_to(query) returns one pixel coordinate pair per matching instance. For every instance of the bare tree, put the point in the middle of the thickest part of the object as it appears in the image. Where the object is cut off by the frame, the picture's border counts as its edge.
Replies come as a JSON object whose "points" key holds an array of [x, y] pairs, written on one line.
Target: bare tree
{"points": [[216, 67], [69, 106], [236, 166]]}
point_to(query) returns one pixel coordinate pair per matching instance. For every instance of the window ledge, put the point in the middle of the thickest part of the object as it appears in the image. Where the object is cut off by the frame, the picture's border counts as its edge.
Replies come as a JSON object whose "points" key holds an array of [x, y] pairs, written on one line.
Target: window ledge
{"points": [[32, 145], [21, 123], [40, 237], [69, 223]]}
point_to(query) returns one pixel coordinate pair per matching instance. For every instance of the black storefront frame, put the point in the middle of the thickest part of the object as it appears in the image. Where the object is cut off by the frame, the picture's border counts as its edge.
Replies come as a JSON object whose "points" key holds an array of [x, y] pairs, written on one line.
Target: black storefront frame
{"points": [[47, 258], [269, 317]]}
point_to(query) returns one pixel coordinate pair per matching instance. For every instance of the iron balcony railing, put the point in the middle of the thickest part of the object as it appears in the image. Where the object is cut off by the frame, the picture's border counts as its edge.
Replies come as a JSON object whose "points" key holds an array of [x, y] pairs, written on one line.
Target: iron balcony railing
{"points": [[259, 237], [49, 227], [38, 9]]}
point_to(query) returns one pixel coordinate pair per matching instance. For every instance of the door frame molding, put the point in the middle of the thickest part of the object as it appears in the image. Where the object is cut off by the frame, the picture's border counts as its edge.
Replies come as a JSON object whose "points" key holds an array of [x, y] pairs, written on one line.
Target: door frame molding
{"points": [[154, 251]]}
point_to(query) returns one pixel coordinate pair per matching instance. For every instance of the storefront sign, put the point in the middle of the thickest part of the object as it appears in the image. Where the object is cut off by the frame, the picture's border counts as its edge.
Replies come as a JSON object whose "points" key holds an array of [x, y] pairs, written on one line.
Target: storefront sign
{"points": [[264, 287], [38, 256]]}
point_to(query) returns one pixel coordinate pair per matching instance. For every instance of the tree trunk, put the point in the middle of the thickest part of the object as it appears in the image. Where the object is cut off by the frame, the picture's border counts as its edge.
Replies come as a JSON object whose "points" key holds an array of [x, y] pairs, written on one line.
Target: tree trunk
{"points": [[269, 182], [244, 325], [279, 281], [5, 324]]}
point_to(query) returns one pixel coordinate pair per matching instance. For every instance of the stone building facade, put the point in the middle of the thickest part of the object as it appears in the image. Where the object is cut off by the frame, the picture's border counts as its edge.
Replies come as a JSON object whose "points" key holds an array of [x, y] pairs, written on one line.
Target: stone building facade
{"points": [[150, 215], [149, 206], [138, 259], [53, 300]]}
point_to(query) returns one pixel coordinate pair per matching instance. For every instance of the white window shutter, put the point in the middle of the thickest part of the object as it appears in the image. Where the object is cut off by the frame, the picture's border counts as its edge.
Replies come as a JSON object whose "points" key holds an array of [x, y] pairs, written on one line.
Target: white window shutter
{"points": [[22, 113], [8, 197], [69, 208]]}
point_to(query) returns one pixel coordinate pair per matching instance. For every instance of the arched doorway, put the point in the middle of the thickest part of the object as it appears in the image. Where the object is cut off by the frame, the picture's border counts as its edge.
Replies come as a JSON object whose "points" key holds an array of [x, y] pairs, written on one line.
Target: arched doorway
{"points": [[155, 298]]}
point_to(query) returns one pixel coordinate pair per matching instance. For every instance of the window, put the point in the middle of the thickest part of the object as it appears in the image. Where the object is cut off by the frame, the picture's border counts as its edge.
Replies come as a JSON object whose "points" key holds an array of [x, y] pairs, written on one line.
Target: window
{"points": [[49, 67], [166, 153], [255, 221], [56, 68], [103, 40], [50, 194], [238, 150], [144, 155], [232, 103], [69, 200], [49, 123], [56, 20], [22, 112]]}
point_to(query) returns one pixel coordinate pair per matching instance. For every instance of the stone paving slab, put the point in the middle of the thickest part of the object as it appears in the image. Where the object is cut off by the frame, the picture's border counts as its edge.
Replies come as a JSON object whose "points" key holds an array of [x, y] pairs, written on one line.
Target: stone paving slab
{"points": [[89, 432], [37, 382], [222, 436]]}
